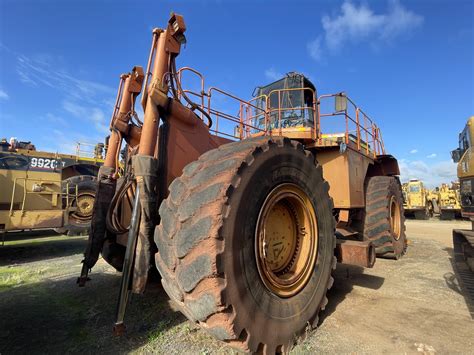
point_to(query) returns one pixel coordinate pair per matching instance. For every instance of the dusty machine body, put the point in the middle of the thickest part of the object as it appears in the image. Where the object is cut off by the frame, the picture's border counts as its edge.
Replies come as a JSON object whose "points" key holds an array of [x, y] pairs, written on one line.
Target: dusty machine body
{"points": [[448, 200], [417, 199], [463, 156], [243, 212], [46, 190]]}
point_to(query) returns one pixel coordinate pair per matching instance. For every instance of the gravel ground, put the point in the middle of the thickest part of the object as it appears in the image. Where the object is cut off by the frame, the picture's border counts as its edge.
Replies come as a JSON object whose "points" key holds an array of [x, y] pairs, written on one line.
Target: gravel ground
{"points": [[408, 306]]}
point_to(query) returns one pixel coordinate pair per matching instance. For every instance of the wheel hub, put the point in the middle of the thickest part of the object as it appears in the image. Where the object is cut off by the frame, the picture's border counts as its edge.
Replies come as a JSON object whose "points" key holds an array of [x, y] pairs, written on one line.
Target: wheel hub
{"points": [[85, 205], [286, 240]]}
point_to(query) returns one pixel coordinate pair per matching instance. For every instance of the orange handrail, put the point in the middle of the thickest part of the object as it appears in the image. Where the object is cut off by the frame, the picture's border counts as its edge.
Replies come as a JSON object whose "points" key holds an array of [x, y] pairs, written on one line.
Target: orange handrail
{"points": [[260, 107]]}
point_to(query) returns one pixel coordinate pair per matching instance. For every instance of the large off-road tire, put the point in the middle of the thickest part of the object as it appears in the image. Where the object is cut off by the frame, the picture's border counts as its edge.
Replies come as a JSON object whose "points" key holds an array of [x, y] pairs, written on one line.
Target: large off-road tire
{"points": [[79, 221], [422, 214], [447, 215], [216, 260], [384, 222]]}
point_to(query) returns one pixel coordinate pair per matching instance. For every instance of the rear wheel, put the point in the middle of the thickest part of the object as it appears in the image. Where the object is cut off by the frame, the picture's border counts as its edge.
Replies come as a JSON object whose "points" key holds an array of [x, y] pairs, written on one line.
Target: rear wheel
{"points": [[246, 243], [384, 222], [79, 220]]}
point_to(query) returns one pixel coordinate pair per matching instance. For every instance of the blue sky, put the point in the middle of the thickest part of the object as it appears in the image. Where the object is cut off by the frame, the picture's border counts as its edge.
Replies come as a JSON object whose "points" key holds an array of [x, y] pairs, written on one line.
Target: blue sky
{"points": [[408, 64]]}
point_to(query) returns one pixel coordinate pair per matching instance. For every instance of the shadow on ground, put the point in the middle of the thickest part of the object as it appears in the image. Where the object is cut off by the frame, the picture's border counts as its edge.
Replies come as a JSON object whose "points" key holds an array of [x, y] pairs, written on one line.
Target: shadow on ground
{"points": [[345, 278], [40, 246], [26, 235], [58, 317], [462, 280]]}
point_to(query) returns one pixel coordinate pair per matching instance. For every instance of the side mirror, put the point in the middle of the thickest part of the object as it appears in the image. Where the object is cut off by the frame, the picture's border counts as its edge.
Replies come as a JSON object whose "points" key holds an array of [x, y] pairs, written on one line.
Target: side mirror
{"points": [[456, 155], [341, 102], [237, 132]]}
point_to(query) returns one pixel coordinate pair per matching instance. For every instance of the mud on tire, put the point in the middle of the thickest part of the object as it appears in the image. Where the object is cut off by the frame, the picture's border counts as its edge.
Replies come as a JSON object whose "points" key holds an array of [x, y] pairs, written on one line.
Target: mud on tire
{"points": [[384, 222], [206, 240]]}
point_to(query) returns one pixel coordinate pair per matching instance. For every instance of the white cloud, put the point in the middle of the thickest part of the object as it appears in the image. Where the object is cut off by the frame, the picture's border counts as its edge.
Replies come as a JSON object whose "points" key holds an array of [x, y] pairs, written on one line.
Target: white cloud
{"points": [[314, 48], [431, 156], [94, 115], [36, 72], [56, 119], [432, 175], [87, 100], [359, 23], [398, 21], [413, 151], [273, 74], [84, 99], [67, 143], [354, 23], [4, 95], [75, 109]]}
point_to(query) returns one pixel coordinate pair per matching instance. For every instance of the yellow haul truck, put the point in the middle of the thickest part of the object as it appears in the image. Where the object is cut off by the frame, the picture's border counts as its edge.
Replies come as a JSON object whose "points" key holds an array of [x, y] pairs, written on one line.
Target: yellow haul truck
{"points": [[47, 190], [464, 239], [416, 200]]}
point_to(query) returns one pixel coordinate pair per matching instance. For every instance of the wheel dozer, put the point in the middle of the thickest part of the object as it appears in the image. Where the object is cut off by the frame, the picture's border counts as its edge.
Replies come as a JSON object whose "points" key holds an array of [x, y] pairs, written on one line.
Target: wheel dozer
{"points": [[417, 201], [243, 213], [449, 201]]}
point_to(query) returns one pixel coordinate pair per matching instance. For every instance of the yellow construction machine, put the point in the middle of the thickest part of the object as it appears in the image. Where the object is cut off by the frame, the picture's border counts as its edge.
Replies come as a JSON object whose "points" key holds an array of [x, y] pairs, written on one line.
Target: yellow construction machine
{"points": [[417, 200], [448, 200], [464, 157], [47, 190]]}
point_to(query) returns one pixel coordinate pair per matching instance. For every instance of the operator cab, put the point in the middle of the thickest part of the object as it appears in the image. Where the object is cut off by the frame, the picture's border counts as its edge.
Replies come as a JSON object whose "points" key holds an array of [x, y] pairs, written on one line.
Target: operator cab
{"points": [[290, 103], [415, 186]]}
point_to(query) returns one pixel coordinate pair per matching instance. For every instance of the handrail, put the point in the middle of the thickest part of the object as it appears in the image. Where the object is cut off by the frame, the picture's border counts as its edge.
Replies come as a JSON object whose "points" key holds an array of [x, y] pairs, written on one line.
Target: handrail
{"points": [[368, 138], [373, 139], [87, 153], [241, 119], [201, 77]]}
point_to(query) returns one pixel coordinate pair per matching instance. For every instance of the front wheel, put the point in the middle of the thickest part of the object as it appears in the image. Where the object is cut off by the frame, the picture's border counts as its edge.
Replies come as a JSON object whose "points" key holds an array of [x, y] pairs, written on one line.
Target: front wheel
{"points": [[423, 214], [446, 215], [246, 243]]}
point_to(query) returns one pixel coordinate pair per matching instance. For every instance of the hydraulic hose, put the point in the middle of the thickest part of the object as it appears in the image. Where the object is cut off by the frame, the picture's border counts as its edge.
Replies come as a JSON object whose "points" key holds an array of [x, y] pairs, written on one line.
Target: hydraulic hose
{"points": [[114, 224]]}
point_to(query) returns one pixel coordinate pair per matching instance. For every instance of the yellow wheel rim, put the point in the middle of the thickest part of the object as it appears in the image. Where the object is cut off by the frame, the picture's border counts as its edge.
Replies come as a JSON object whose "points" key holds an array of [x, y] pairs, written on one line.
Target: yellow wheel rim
{"points": [[395, 217], [286, 240], [85, 205]]}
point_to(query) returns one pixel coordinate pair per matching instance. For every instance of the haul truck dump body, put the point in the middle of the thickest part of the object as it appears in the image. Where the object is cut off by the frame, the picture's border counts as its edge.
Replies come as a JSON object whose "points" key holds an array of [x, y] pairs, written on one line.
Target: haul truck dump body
{"points": [[244, 213]]}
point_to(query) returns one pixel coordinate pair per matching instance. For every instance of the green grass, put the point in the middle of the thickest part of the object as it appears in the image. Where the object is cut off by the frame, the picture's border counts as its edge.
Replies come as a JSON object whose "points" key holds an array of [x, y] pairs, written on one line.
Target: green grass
{"points": [[12, 276], [33, 240], [157, 333]]}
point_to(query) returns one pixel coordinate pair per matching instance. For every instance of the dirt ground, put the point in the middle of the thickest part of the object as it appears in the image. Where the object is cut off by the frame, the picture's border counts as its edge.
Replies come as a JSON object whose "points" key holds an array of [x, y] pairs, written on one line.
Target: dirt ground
{"points": [[408, 306]]}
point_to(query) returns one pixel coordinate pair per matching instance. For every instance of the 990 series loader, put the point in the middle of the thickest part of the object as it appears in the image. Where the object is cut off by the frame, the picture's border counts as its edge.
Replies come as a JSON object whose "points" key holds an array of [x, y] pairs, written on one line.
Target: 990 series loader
{"points": [[243, 215]]}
